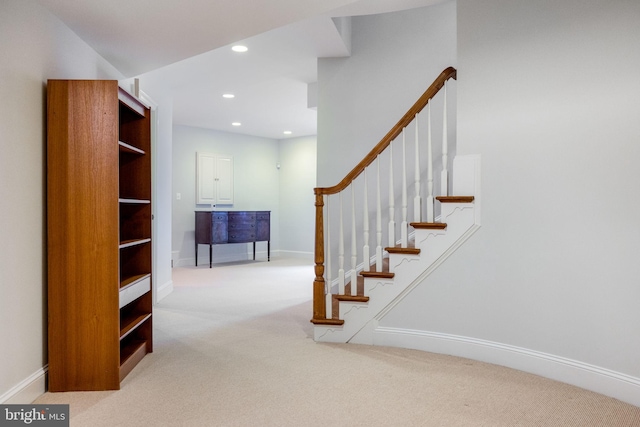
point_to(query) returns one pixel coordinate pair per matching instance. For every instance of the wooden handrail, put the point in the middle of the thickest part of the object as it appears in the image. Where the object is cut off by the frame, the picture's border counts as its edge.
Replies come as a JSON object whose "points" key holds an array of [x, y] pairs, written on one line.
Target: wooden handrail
{"points": [[319, 285], [422, 102]]}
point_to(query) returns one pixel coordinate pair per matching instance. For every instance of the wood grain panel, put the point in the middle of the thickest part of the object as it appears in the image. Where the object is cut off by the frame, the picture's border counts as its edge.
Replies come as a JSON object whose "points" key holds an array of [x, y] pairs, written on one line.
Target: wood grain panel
{"points": [[82, 157]]}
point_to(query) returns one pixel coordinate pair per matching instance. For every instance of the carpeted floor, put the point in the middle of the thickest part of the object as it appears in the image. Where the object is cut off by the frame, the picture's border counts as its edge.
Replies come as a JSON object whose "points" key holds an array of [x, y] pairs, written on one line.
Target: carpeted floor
{"points": [[233, 347]]}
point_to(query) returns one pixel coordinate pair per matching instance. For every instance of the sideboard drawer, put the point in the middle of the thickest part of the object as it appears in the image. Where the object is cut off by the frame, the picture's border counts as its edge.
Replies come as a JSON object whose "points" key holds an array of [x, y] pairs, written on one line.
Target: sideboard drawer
{"points": [[242, 236], [242, 217], [241, 225]]}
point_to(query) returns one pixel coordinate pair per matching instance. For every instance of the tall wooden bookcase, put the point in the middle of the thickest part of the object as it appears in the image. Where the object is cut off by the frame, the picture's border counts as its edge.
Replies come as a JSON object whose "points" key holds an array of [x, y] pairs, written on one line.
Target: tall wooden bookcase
{"points": [[98, 234]]}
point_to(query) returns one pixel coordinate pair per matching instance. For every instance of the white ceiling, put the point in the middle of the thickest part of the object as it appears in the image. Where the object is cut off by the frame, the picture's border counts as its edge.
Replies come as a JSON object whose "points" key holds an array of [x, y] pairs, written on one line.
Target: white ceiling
{"points": [[181, 49]]}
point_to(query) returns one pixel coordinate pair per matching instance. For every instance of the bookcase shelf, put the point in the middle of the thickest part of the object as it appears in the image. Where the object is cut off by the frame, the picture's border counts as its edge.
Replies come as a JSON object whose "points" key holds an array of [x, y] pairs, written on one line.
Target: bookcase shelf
{"points": [[129, 243], [135, 201], [132, 280], [126, 148], [129, 324], [99, 234]]}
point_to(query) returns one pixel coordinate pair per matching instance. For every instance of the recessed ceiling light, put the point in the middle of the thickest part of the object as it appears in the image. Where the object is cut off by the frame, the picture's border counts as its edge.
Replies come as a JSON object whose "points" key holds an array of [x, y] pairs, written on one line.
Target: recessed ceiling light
{"points": [[287, 132], [239, 48], [228, 95], [236, 124]]}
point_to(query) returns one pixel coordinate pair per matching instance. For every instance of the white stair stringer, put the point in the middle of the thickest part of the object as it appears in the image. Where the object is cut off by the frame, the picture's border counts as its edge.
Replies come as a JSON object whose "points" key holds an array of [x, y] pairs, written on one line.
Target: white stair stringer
{"points": [[433, 245], [365, 334], [436, 245]]}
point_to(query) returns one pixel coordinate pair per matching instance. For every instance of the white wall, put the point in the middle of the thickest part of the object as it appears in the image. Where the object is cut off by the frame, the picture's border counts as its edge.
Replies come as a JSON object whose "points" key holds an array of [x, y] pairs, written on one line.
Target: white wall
{"points": [[34, 47], [548, 96], [394, 58], [297, 202], [162, 198], [256, 187]]}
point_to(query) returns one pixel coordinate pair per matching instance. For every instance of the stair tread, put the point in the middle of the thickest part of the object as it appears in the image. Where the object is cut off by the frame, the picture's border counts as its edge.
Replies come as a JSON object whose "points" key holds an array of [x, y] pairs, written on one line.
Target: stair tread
{"points": [[352, 298], [400, 250], [429, 225], [455, 199], [374, 273], [334, 321]]}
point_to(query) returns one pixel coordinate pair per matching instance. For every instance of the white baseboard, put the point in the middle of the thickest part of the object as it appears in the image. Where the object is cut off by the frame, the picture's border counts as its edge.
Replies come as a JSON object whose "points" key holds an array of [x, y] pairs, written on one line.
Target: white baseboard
{"points": [[594, 378], [28, 390], [175, 258], [164, 290], [296, 254], [190, 262], [261, 255]]}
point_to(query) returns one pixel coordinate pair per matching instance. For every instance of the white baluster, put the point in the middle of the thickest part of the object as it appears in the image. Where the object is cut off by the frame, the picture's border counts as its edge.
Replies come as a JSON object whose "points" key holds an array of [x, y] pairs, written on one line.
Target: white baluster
{"points": [[329, 297], [444, 180], [341, 252], [392, 207], [430, 201], [417, 200], [354, 248], [365, 225], [404, 227], [378, 223]]}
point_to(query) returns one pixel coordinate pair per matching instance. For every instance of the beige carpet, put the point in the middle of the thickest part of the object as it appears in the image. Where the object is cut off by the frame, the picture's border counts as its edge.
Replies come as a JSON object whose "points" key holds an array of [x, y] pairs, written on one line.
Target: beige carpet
{"points": [[233, 347]]}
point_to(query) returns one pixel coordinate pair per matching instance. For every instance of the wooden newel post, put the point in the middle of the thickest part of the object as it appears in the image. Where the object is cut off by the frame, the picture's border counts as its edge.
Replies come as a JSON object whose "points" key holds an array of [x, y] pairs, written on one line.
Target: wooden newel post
{"points": [[319, 306]]}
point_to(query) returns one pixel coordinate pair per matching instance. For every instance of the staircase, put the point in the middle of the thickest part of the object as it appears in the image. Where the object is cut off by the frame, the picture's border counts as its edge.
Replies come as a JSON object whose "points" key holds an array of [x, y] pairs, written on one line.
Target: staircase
{"points": [[349, 304]]}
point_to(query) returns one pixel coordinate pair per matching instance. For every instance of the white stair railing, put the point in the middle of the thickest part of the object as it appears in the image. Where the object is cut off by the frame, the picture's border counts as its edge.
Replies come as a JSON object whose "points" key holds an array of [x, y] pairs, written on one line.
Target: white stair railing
{"points": [[392, 205], [378, 221], [404, 226], [365, 235], [417, 200], [334, 249], [444, 178], [430, 199], [354, 246], [341, 251], [329, 292]]}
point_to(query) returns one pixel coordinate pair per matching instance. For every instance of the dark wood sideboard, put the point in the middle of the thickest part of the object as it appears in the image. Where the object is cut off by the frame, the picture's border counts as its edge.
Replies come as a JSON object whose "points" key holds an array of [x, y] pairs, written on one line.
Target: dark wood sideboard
{"points": [[222, 227]]}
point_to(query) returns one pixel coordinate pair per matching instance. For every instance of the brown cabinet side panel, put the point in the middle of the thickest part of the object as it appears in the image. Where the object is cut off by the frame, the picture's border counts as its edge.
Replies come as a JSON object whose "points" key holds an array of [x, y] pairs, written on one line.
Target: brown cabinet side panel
{"points": [[263, 226], [203, 228], [82, 240]]}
